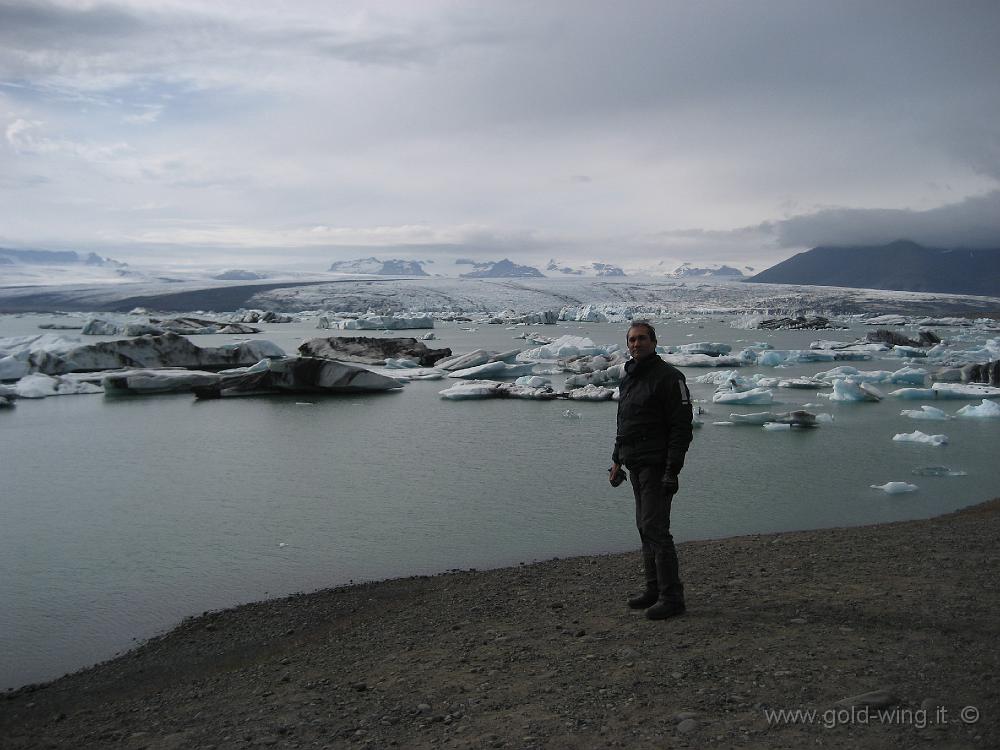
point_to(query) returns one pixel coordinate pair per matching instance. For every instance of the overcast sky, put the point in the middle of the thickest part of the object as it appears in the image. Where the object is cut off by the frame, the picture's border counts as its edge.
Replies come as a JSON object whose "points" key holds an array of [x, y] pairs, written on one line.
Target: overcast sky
{"points": [[629, 132]]}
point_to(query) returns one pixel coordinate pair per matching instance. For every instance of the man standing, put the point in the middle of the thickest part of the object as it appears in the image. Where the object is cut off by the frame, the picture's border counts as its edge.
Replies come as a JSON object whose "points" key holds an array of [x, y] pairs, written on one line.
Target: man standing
{"points": [[654, 431]]}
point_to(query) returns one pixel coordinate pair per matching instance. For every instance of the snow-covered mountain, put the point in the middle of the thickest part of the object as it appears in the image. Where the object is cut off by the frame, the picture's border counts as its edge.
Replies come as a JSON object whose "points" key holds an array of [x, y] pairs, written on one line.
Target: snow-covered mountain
{"points": [[588, 269], [239, 274], [377, 267], [501, 269], [714, 270]]}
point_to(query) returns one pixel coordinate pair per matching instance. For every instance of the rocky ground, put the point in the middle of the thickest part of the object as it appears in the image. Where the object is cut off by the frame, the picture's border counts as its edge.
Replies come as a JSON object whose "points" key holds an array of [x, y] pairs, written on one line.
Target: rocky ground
{"points": [[547, 655]]}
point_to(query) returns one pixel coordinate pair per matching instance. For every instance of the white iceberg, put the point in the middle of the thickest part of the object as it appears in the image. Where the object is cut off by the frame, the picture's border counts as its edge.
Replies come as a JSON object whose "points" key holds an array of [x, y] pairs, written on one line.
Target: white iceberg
{"points": [[926, 412], [895, 488], [753, 396], [776, 426], [492, 369], [949, 391], [563, 348], [920, 437], [986, 410], [850, 390], [479, 389], [384, 322], [702, 360], [38, 385], [712, 348], [592, 393]]}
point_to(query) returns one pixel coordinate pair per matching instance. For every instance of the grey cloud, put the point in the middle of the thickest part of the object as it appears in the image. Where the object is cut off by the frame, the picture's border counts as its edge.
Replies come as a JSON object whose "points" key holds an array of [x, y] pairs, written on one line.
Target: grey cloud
{"points": [[971, 223]]}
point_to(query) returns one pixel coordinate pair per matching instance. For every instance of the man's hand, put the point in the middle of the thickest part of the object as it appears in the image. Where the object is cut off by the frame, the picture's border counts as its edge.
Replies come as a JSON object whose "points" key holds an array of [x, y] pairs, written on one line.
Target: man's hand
{"points": [[670, 483], [613, 475]]}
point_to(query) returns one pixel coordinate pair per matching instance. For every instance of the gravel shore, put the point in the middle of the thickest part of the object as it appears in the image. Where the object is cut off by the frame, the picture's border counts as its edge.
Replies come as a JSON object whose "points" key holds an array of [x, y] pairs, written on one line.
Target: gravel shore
{"points": [[886, 632]]}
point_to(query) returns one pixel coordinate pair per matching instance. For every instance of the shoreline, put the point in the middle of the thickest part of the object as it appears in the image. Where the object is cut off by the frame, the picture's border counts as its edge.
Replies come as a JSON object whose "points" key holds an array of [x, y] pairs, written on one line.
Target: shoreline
{"points": [[547, 655]]}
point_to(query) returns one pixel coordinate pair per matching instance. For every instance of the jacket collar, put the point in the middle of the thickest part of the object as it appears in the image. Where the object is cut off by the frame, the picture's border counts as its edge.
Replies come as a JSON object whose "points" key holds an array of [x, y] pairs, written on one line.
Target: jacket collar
{"points": [[638, 366]]}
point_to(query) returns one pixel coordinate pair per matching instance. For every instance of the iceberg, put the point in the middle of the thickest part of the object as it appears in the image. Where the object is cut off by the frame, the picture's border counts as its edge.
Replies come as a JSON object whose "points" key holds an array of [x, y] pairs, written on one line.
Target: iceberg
{"points": [[563, 348], [132, 382], [776, 426], [986, 410], [478, 389], [382, 323], [753, 396], [849, 390], [895, 488], [926, 412], [494, 369], [797, 418], [702, 360], [711, 348], [949, 391], [920, 437], [38, 385], [371, 350], [299, 375], [533, 381], [592, 393]]}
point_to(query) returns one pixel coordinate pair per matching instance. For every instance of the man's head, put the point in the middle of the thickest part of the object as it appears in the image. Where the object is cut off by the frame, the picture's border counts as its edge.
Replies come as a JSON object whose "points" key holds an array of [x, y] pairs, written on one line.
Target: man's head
{"points": [[641, 339]]}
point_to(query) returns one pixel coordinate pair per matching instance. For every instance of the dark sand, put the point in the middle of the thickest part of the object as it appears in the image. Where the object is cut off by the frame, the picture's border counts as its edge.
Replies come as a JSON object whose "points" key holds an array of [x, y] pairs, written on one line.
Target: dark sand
{"points": [[547, 655]]}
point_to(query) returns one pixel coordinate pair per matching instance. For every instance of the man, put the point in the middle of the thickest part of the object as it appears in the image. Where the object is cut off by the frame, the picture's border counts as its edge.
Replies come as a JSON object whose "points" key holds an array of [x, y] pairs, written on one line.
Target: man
{"points": [[654, 431]]}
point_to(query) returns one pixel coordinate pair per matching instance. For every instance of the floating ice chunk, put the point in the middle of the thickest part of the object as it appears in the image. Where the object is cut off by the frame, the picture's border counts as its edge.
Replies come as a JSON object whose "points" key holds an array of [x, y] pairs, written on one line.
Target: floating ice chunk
{"points": [[592, 393], [987, 409], [938, 471], [824, 417], [771, 358], [753, 396], [429, 336], [850, 390], [38, 385], [533, 381], [156, 381], [720, 377], [799, 418], [886, 320], [494, 369], [895, 488], [6, 402], [383, 322], [570, 414], [926, 412], [476, 389], [400, 363], [702, 360], [463, 361], [471, 389], [562, 348], [920, 437], [776, 426], [908, 351], [953, 391], [909, 376], [712, 348]]}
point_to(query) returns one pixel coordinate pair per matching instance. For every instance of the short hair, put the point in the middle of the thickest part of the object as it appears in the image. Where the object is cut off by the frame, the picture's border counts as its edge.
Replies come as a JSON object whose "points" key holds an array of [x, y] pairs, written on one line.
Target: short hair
{"points": [[643, 324]]}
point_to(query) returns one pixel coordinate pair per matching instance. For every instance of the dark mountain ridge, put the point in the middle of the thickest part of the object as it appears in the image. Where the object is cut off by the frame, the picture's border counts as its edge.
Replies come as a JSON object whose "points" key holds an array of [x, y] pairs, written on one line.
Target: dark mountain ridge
{"points": [[900, 266]]}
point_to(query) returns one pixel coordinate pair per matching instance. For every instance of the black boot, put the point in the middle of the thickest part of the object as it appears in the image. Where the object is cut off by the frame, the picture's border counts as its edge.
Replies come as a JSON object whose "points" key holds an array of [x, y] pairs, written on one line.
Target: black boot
{"points": [[652, 592], [671, 590]]}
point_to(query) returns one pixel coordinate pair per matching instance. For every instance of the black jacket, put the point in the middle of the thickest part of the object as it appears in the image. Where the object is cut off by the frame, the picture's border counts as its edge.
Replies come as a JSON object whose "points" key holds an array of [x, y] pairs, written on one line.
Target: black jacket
{"points": [[654, 415]]}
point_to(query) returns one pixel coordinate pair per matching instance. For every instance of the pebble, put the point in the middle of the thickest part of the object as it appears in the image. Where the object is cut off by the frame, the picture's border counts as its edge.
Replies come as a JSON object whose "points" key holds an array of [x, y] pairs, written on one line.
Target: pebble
{"points": [[687, 726]]}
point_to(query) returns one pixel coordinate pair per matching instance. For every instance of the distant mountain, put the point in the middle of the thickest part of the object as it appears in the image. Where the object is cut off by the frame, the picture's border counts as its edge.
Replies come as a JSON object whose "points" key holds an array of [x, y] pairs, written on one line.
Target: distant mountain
{"points": [[56, 258], [589, 269], [239, 274], [900, 265], [376, 267], [501, 269], [713, 270]]}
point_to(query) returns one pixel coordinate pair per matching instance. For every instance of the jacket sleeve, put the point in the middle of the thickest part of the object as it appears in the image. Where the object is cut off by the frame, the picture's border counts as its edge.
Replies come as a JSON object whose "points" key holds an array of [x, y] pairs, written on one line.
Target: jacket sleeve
{"points": [[678, 416]]}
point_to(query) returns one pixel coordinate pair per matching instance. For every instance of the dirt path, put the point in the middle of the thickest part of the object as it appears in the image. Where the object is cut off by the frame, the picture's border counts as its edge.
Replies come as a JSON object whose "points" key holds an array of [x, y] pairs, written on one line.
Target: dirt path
{"points": [[547, 655]]}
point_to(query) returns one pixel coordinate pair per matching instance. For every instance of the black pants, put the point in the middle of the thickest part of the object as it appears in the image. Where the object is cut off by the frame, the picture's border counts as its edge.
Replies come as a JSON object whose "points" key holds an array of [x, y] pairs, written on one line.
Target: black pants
{"points": [[652, 509]]}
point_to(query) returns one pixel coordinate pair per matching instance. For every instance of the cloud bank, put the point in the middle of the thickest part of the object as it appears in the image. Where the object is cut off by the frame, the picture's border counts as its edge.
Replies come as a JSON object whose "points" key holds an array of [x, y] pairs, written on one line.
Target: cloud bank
{"points": [[647, 132]]}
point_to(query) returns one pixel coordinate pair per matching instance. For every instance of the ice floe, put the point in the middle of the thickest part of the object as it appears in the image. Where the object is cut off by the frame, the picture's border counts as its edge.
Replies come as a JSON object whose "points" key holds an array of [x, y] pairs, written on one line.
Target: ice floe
{"points": [[477, 389], [920, 437], [986, 410], [926, 412], [752, 396], [849, 390], [948, 391], [298, 375], [895, 488]]}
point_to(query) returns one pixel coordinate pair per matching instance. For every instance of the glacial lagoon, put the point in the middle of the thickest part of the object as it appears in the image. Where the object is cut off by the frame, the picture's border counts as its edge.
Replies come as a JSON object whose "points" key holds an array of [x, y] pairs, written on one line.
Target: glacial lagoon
{"points": [[121, 516]]}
